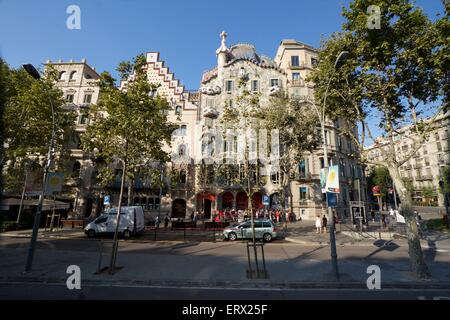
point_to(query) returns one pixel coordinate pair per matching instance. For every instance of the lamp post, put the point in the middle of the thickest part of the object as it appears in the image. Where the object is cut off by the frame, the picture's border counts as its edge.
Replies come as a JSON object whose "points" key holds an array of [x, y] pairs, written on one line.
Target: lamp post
{"points": [[23, 193], [340, 60], [160, 196], [31, 70], [112, 265]]}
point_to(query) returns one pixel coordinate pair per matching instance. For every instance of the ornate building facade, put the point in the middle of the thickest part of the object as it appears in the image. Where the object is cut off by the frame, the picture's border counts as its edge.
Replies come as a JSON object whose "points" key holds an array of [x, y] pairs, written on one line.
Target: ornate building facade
{"points": [[196, 111]]}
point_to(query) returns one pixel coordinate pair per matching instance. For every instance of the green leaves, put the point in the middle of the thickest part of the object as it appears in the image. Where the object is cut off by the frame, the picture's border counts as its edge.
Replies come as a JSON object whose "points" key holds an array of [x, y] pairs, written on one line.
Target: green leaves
{"points": [[28, 117], [129, 124]]}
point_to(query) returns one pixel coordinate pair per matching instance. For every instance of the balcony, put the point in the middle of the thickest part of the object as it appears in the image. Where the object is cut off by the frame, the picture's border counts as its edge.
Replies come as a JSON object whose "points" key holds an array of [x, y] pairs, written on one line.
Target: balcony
{"points": [[296, 83], [300, 66], [303, 177], [424, 178], [77, 153]]}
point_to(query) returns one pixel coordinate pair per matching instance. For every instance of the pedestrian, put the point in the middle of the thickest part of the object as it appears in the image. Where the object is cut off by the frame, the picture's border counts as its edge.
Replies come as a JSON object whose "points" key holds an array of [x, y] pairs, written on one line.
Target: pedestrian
{"points": [[318, 224], [383, 220], [372, 214], [157, 222], [166, 221], [194, 219], [192, 216], [324, 223]]}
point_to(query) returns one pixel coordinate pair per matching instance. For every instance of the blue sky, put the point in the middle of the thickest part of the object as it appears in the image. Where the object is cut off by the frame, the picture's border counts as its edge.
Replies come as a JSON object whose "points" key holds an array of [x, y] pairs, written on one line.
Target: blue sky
{"points": [[185, 32]]}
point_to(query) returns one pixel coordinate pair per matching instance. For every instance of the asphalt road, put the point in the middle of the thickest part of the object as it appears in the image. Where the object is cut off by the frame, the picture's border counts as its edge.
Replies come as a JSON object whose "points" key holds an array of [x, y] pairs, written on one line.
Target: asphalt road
{"points": [[201, 261], [13, 291]]}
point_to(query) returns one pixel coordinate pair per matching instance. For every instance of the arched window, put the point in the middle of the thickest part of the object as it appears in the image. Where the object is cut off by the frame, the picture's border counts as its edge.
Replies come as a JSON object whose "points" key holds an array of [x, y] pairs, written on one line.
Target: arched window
{"points": [[72, 75], [182, 176], [62, 75], [76, 169]]}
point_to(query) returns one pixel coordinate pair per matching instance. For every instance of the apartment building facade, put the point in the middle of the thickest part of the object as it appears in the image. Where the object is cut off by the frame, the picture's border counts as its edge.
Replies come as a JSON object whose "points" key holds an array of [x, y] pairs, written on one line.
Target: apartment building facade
{"points": [[423, 171]]}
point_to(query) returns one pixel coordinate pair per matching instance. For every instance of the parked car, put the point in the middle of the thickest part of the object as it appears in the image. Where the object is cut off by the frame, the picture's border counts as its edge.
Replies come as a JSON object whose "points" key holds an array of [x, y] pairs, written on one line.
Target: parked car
{"points": [[264, 229], [131, 222]]}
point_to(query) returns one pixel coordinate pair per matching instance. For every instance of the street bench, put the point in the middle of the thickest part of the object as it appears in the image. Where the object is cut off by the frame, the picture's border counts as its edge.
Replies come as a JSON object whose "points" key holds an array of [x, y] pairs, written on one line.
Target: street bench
{"points": [[73, 224]]}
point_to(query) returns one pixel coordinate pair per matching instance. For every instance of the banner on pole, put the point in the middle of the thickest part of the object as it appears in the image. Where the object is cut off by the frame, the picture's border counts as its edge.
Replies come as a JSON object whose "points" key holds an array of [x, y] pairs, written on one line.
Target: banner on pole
{"points": [[54, 182], [332, 184]]}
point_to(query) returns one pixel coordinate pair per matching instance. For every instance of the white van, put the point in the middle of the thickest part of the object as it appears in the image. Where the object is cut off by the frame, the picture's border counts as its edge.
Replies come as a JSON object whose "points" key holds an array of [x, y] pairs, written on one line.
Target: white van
{"points": [[131, 222]]}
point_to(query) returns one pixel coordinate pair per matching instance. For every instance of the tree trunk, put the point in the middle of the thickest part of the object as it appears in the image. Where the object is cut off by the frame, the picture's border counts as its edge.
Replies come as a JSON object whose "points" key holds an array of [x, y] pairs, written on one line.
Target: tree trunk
{"points": [[130, 191], [417, 261]]}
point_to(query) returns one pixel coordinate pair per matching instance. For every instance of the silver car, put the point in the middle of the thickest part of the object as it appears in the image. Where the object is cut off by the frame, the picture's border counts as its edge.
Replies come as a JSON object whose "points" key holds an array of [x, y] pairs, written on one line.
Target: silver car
{"points": [[264, 229]]}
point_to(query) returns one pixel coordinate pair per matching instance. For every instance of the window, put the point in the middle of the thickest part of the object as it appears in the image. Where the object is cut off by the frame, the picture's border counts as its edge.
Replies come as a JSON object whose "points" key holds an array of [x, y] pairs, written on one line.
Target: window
{"points": [[62, 76], [72, 76], [83, 119], [255, 85], [303, 193], [76, 169], [295, 62], [274, 82], [87, 98], [101, 219], [303, 168], [69, 98], [150, 203], [178, 110], [183, 176], [296, 78], [275, 178], [229, 86], [314, 61], [183, 130], [439, 147]]}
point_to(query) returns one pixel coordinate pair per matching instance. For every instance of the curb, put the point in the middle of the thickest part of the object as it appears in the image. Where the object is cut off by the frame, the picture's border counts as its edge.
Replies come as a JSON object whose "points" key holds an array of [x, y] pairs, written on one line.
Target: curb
{"points": [[256, 284]]}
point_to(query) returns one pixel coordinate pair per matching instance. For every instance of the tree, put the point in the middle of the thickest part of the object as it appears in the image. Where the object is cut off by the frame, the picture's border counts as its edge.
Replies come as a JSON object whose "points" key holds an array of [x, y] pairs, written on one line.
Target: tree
{"points": [[380, 176], [446, 180], [394, 74], [28, 123], [297, 133], [427, 194], [130, 125]]}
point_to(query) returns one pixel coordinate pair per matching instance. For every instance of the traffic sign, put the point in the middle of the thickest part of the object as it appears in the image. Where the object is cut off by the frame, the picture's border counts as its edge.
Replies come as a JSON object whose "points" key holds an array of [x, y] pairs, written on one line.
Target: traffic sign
{"points": [[266, 200], [106, 200], [331, 199]]}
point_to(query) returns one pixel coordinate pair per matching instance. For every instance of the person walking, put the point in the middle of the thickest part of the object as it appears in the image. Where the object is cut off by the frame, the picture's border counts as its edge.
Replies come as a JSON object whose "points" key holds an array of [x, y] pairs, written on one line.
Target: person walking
{"points": [[166, 221], [157, 222], [318, 224], [194, 219], [324, 223]]}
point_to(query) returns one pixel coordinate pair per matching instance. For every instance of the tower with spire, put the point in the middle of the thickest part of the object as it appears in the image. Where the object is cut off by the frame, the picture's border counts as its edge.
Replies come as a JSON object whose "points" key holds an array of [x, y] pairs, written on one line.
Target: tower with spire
{"points": [[221, 53]]}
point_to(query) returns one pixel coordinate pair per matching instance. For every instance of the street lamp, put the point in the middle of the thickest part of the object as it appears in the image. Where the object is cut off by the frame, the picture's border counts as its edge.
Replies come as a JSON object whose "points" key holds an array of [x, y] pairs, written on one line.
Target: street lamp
{"points": [[160, 196], [112, 265], [31, 70], [340, 60]]}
